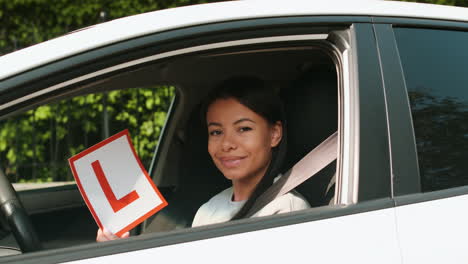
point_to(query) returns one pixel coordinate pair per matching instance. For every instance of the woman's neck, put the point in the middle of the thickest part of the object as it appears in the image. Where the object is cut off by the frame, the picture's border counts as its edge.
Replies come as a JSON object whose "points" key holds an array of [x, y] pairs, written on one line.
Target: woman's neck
{"points": [[243, 188]]}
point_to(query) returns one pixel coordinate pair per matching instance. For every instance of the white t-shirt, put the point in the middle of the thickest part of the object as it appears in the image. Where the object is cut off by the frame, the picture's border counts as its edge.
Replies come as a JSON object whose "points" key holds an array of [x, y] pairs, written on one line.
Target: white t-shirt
{"points": [[221, 208]]}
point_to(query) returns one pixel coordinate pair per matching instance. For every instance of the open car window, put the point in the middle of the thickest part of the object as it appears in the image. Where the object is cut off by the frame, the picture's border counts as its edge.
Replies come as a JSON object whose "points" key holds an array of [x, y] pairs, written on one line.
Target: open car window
{"points": [[306, 79]]}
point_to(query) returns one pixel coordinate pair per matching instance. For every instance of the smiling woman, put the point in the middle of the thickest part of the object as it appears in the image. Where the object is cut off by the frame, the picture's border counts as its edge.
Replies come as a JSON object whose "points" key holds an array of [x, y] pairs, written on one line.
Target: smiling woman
{"points": [[244, 121], [246, 143]]}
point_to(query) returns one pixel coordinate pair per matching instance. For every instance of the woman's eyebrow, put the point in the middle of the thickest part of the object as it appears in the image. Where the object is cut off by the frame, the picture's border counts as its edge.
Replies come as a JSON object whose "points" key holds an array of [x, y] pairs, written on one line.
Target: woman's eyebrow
{"points": [[214, 124], [243, 119]]}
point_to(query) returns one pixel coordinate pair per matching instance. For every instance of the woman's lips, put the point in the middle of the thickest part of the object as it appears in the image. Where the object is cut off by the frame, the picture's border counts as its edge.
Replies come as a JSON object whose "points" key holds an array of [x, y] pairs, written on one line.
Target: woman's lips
{"points": [[231, 162]]}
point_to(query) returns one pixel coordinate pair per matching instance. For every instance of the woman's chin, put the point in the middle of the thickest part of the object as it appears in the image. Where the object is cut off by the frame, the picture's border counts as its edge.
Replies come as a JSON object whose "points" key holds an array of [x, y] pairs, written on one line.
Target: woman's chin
{"points": [[233, 176]]}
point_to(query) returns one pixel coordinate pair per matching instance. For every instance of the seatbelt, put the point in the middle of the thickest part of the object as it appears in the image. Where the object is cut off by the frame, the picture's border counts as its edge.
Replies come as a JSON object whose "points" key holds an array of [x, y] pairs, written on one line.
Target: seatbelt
{"points": [[306, 168], [330, 192]]}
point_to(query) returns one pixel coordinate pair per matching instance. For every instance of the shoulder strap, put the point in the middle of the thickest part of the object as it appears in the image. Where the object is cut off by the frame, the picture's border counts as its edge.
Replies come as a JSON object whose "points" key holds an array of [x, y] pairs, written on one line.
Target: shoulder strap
{"points": [[308, 166]]}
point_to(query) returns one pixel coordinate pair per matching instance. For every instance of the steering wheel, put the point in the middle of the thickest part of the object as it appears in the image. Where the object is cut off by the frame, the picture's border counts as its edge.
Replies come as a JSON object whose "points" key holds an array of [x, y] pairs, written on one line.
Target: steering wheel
{"points": [[18, 219]]}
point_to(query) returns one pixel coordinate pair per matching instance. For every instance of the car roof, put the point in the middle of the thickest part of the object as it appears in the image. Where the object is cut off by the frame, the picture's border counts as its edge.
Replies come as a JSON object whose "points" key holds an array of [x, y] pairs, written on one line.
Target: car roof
{"points": [[162, 20]]}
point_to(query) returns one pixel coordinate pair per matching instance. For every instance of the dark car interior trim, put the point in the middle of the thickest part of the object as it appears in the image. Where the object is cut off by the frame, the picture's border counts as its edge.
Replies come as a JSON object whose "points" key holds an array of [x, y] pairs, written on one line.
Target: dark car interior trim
{"points": [[66, 196]]}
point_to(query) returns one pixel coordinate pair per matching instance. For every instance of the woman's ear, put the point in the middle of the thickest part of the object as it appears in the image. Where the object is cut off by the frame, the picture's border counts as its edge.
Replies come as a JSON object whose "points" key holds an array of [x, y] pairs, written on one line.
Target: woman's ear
{"points": [[276, 133]]}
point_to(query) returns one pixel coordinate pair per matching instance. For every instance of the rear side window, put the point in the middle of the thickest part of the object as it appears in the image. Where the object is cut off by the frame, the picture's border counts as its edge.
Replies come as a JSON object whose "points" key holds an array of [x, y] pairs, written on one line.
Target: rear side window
{"points": [[435, 65], [35, 145]]}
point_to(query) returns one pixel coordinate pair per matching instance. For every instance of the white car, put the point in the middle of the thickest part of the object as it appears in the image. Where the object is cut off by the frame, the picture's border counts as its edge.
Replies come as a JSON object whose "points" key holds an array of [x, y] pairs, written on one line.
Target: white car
{"points": [[390, 77]]}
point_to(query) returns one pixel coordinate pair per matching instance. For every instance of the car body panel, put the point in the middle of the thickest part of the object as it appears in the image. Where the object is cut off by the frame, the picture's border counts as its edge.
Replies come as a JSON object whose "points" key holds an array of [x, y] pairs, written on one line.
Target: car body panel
{"points": [[372, 239], [159, 21], [434, 231]]}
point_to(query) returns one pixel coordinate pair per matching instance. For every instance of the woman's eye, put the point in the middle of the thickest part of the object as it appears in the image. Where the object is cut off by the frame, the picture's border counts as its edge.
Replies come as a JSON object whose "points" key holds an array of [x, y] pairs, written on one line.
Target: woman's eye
{"points": [[215, 133], [245, 129]]}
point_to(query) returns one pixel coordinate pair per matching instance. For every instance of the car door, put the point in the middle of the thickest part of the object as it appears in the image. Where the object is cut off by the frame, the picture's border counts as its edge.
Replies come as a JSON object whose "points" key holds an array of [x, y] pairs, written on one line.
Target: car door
{"points": [[359, 225], [426, 75]]}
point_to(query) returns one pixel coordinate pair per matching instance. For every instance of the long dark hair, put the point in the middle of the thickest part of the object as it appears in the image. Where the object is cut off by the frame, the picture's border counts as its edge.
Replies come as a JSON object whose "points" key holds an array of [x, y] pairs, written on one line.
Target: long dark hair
{"points": [[253, 93]]}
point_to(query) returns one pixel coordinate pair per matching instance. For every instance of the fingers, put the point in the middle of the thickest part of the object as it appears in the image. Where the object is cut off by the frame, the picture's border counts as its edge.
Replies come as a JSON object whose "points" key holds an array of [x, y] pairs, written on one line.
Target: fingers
{"points": [[99, 236], [125, 235], [105, 235]]}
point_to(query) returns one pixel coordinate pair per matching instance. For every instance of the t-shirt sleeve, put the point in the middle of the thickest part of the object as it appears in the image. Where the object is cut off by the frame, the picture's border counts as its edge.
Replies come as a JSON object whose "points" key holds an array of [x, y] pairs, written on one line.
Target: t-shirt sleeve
{"points": [[299, 203], [286, 203], [295, 202], [200, 216]]}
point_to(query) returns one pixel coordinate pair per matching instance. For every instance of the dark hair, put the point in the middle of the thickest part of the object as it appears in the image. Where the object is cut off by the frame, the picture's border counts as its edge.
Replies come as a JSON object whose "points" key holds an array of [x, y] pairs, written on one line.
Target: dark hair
{"points": [[253, 93]]}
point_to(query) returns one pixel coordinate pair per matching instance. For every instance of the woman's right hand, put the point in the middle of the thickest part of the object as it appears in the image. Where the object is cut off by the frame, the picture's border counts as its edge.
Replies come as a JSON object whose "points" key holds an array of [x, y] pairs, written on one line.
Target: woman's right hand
{"points": [[105, 235]]}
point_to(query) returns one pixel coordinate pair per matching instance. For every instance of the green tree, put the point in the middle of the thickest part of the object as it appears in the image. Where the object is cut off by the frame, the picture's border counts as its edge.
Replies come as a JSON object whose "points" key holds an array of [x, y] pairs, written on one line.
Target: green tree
{"points": [[27, 22]]}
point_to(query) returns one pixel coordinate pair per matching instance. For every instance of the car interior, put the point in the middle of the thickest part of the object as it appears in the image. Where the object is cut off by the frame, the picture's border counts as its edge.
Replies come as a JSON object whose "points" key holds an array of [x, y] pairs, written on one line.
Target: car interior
{"points": [[308, 86], [305, 74]]}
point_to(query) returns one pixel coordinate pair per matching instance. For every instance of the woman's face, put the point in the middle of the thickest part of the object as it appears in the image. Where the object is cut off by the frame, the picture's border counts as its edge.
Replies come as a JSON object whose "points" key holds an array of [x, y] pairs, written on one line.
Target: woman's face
{"points": [[240, 140]]}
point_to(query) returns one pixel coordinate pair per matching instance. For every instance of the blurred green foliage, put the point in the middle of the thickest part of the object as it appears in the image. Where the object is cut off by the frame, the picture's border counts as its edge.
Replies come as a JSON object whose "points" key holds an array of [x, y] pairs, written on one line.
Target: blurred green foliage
{"points": [[26, 22], [35, 145]]}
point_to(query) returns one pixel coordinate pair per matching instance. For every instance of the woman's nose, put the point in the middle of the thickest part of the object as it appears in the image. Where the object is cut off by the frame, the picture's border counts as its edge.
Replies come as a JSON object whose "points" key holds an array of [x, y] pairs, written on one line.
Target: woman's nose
{"points": [[228, 142]]}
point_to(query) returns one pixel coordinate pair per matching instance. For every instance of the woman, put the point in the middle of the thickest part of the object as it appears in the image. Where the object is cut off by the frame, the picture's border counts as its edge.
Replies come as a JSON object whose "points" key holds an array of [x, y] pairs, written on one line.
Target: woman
{"points": [[247, 143]]}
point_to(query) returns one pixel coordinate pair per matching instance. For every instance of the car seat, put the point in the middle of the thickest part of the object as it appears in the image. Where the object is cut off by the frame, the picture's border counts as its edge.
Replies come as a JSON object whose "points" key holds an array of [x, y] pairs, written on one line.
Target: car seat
{"points": [[312, 116]]}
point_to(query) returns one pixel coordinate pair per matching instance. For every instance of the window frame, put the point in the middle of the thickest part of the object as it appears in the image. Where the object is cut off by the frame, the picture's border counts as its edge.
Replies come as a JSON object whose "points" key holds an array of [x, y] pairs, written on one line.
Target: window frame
{"points": [[406, 177]]}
